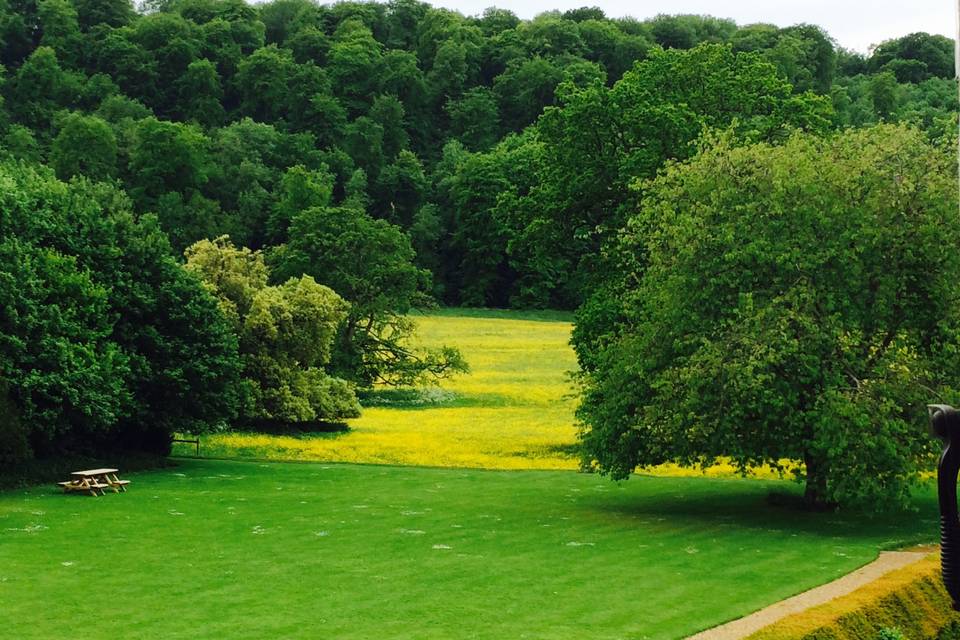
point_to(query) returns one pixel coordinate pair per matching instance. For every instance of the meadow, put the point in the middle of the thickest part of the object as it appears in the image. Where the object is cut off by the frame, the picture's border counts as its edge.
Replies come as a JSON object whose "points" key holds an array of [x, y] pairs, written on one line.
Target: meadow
{"points": [[514, 410], [227, 549]]}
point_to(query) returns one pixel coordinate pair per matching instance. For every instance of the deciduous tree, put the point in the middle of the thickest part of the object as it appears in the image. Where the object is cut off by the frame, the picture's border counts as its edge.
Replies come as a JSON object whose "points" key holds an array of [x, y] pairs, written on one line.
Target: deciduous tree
{"points": [[784, 302], [86, 145], [370, 263], [285, 333]]}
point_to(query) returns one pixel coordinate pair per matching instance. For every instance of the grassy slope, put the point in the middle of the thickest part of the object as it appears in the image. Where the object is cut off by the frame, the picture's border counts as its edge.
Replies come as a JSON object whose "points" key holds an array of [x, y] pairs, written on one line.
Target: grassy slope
{"points": [[249, 550], [513, 411]]}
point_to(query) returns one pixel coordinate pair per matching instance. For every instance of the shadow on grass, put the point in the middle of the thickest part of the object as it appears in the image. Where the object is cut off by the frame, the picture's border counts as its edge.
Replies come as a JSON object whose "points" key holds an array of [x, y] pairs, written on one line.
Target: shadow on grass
{"points": [[563, 451], [535, 315], [301, 429], [432, 398], [49, 471], [755, 504], [573, 450]]}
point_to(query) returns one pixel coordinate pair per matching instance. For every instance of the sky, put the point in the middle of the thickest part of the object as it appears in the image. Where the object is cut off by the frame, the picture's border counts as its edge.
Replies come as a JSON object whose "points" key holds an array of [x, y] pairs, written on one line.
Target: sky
{"points": [[855, 24]]}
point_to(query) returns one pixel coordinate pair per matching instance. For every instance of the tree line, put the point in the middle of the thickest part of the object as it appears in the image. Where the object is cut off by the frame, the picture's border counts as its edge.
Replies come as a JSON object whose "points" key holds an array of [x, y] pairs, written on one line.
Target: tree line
{"points": [[209, 112]]}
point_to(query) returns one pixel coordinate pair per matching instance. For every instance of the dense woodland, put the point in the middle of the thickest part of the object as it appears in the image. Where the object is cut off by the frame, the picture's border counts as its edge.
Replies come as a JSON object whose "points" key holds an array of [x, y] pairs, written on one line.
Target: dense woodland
{"points": [[227, 118], [216, 211]]}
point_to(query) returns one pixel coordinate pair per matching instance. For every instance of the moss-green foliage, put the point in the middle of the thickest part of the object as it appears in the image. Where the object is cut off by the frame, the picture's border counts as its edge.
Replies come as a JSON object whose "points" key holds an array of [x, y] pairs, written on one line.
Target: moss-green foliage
{"points": [[285, 332], [370, 263], [910, 601], [105, 341]]}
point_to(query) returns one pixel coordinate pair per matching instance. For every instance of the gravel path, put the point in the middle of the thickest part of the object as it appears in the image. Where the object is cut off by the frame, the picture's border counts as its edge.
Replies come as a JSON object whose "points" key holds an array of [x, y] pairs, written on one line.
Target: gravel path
{"points": [[743, 627]]}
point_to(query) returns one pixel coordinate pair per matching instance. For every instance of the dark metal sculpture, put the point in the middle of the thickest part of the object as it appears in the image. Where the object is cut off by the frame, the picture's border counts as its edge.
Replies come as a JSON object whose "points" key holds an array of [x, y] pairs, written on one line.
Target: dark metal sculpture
{"points": [[945, 423]]}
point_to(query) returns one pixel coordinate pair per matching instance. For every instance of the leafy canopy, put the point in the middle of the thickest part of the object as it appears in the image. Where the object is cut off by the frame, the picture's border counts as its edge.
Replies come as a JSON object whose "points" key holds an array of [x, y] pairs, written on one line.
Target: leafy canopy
{"points": [[104, 339], [784, 302], [285, 334], [370, 263]]}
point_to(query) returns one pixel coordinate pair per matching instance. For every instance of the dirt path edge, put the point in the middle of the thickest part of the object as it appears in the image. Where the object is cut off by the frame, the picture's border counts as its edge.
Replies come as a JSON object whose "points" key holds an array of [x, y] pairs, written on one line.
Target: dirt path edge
{"points": [[742, 627]]}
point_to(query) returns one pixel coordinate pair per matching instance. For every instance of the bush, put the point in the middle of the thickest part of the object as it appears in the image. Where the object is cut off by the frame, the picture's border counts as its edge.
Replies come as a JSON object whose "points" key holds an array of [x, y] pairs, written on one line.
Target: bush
{"points": [[910, 602], [285, 334], [106, 342]]}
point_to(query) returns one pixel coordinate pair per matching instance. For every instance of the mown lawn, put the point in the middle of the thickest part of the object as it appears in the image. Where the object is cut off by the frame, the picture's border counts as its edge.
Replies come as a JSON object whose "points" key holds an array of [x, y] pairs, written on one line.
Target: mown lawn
{"points": [[239, 549], [225, 549]]}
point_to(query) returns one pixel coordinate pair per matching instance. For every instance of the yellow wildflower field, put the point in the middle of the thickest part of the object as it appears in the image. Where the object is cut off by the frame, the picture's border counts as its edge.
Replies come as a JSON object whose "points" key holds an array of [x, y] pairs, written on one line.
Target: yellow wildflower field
{"points": [[513, 410]]}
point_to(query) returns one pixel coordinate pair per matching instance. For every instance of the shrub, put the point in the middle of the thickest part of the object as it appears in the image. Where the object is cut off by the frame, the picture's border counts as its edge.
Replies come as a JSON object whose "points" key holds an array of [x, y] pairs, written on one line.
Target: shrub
{"points": [[285, 334], [910, 602]]}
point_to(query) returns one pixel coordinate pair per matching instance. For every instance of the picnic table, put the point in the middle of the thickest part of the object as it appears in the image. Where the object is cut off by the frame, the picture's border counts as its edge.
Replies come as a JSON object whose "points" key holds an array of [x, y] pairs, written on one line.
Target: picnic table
{"points": [[94, 481]]}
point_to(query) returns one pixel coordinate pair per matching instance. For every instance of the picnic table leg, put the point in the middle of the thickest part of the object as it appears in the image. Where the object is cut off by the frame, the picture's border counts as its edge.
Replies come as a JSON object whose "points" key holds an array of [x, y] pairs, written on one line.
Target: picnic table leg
{"points": [[110, 479], [85, 483], [101, 480], [116, 480]]}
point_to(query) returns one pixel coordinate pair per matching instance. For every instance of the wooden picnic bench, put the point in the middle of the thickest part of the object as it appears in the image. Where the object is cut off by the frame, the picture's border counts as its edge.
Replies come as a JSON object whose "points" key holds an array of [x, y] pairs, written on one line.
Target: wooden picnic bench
{"points": [[95, 481]]}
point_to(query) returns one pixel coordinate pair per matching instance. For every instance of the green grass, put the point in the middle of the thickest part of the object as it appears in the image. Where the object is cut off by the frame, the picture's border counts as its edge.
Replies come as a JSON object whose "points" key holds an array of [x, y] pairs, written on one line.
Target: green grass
{"points": [[269, 550], [225, 549]]}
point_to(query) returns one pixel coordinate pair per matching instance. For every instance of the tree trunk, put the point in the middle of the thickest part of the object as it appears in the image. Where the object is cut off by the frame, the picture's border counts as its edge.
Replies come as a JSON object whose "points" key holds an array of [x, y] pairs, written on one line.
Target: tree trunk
{"points": [[815, 494]]}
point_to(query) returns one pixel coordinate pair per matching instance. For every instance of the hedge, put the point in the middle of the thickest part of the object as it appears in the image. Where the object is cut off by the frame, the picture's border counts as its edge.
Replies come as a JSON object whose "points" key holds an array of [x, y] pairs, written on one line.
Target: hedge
{"points": [[911, 599]]}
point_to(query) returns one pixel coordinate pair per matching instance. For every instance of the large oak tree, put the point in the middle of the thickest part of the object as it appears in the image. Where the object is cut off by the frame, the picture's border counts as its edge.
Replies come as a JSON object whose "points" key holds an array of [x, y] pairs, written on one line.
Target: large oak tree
{"points": [[794, 302]]}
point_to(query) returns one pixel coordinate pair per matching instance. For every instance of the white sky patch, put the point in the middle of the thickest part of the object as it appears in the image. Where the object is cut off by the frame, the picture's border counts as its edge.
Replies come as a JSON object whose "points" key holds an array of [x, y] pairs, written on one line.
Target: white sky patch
{"points": [[855, 24]]}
